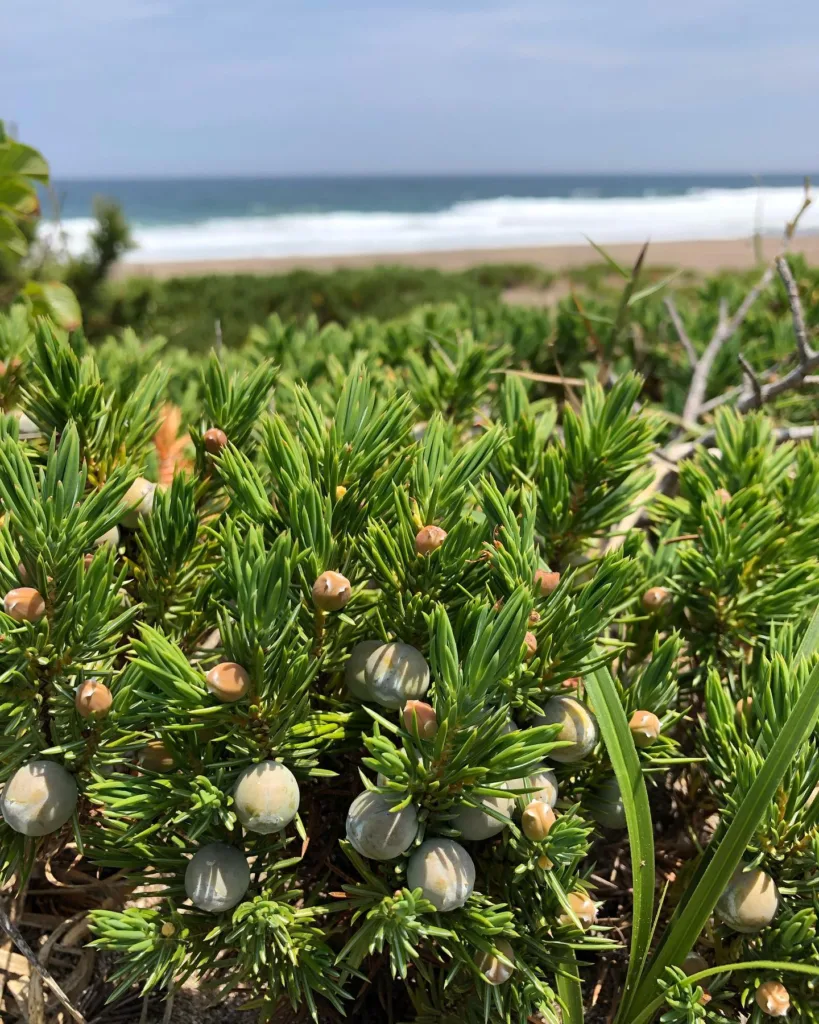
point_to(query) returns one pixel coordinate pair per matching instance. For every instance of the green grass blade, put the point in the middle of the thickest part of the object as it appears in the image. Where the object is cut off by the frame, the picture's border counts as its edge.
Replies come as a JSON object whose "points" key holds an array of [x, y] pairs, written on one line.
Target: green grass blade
{"points": [[750, 965], [626, 763], [612, 262], [702, 896], [570, 992], [810, 641]]}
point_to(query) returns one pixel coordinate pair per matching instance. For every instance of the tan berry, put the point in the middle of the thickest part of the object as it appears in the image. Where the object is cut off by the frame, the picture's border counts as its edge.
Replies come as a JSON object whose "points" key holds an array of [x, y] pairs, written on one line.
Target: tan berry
{"points": [[645, 728], [537, 820], [546, 582], [544, 863], [429, 539], [530, 642], [168, 929], [584, 910], [214, 440], [492, 968], [743, 706], [155, 757], [24, 604], [773, 999], [534, 617], [93, 698], [417, 714], [722, 495], [228, 682], [341, 490], [572, 683], [655, 598], [331, 591]]}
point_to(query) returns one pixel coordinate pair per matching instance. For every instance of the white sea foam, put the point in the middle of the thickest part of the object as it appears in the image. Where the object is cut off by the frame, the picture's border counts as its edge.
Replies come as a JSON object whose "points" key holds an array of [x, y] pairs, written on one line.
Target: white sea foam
{"points": [[486, 224]]}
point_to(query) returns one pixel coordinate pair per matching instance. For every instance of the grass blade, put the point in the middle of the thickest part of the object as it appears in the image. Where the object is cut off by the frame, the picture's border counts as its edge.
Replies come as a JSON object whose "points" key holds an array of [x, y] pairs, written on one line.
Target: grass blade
{"points": [[626, 763], [810, 641], [684, 929], [612, 262], [750, 965], [570, 992]]}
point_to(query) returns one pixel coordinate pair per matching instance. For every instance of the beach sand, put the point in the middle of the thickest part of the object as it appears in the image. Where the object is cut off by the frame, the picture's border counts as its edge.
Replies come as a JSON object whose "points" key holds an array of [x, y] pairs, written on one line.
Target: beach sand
{"points": [[705, 256]]}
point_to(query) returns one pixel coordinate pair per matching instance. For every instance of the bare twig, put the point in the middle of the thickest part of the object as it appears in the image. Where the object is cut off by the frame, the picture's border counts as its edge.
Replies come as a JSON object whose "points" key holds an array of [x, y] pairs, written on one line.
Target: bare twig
{"points": [[678, 452], [725, 330], [14, 934], [679, 327], [799, 329], [753, 380], [728, 326]]}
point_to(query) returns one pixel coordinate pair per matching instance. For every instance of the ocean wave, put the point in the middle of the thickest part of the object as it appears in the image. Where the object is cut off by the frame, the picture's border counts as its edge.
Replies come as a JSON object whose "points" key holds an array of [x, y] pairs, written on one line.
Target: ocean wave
{"points": [[486, 224]]}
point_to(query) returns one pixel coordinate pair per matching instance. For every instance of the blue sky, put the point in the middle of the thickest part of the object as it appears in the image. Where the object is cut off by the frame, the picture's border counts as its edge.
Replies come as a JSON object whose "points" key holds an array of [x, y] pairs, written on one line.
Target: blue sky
{"points": [[134, 87]]}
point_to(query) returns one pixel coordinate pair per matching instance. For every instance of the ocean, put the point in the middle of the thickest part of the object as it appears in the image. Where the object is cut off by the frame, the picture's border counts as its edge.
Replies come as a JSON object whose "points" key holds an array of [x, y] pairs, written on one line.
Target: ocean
{"points": [[179, 219]]}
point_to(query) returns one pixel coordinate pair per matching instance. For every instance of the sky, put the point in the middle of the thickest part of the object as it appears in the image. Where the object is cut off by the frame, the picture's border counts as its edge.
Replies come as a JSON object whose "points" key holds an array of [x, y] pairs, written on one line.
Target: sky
{"points": [[216, 87]]}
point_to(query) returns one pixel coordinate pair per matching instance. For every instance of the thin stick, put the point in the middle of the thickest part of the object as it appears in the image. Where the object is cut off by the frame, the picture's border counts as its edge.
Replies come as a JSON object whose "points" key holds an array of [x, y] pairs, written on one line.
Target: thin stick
{"points": [[18, 940], [798, 316], [752, 378], [679, 327]]}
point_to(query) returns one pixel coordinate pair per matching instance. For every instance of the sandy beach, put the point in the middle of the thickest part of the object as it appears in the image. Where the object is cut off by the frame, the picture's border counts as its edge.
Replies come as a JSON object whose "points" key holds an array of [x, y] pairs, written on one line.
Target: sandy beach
{"points": [[704, 256]]}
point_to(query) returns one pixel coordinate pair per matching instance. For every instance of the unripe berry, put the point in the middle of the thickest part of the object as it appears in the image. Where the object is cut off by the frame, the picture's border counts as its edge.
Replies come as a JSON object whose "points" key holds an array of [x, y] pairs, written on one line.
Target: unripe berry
{"points": [[546, 582], [495, 971], [530, 643], [645, 728], [578, 727], [655, 598], [537, 820], [584, 910], [109, 538], [545, 863], [139, 502], [444, 872], [228, 682], [473, 823], [355, 674], [266, 797], [168, 929], [606, 805], [156, 757], [396, 673], [420, 716], [546, 791], [429, 539], [39, 798], [24, 604], [773, 999], [331, 591], [217, 877], [376, 831], [341, 490], [92, 698], [214, 440], [750, 901]]}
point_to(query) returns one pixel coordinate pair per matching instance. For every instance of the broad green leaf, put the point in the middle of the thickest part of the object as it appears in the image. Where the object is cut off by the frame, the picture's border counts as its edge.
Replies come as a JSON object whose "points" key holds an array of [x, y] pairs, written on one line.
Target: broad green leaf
{"points": [[626, 763], [55, 300], [15, 158]]}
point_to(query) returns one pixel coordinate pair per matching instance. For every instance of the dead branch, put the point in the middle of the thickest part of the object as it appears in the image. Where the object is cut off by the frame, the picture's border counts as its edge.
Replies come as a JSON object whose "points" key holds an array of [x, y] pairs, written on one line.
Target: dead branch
{"points": [[14, 934], [753, 380], [728, 326]]}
